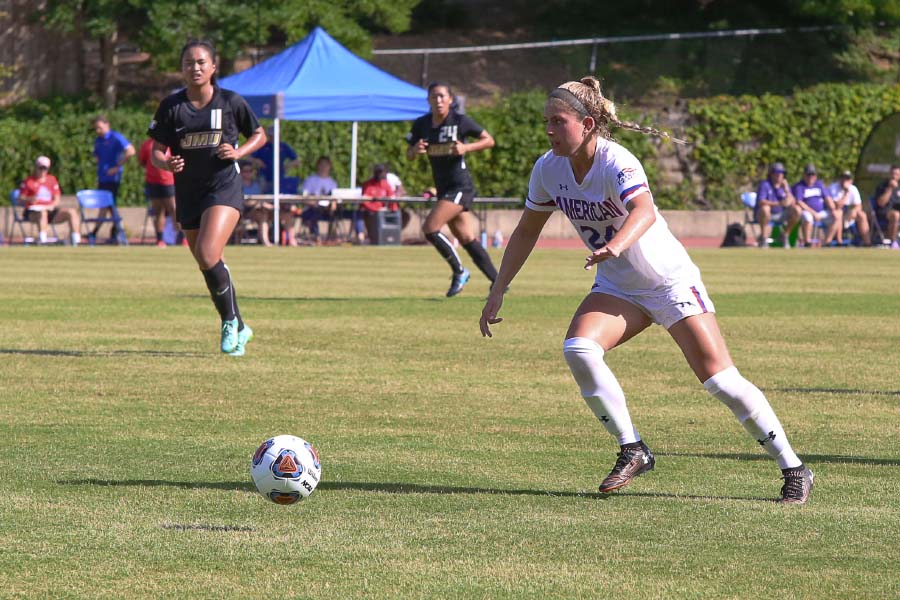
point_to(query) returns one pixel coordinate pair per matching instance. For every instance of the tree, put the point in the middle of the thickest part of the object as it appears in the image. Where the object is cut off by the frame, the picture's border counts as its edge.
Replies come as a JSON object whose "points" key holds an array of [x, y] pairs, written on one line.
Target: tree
{"points": [[859, 13], [161, 27], [99, 20]]}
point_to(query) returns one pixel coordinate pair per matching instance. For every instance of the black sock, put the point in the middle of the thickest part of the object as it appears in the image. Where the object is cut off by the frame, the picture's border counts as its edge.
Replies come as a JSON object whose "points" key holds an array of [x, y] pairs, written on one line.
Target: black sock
{"points": [[159, 237], [237, 311], [482, 259], [631, 445], [218, 281], [445, 249]]}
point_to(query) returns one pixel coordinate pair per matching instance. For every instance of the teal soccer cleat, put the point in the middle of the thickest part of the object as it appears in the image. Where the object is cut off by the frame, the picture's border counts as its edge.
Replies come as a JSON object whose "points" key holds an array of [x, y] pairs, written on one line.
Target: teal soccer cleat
{"points": [[244, 336], [229, 335], [459, 280]]}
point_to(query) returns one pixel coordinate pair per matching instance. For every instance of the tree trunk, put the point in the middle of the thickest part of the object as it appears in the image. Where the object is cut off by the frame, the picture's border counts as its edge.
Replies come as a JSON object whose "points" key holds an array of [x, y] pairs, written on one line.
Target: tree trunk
{"points": [[80, 59], [109, 74]]}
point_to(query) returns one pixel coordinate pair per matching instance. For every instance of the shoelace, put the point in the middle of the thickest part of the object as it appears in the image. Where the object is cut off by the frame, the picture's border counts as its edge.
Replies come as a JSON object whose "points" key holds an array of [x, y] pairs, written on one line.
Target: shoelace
{"points": [[625, 457], [793, 485], [228, 328]]}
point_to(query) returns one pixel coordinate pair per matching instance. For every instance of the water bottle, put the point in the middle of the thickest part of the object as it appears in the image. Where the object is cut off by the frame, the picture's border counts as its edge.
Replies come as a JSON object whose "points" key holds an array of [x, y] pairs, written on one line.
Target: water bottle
{"points": [[498, 239]]}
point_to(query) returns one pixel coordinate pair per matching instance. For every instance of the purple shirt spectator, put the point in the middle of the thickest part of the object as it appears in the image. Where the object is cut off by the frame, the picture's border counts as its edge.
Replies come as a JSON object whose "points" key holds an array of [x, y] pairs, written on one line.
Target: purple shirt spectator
{"points": [[318, 186], [766, 191], [812, 195]]}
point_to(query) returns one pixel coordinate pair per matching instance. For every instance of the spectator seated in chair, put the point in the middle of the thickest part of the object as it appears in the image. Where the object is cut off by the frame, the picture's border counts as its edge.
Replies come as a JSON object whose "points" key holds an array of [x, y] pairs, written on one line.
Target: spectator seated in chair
{"points": [[40, 194], [886, 207], [849, 202], [258, 211], [376, 187], [775, 204], [817, 207], [319, 183]]}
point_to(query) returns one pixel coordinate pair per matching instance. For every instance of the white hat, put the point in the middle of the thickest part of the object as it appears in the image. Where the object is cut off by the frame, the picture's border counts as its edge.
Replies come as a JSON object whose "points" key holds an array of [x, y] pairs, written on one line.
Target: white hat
{"points": [[42, 161]]}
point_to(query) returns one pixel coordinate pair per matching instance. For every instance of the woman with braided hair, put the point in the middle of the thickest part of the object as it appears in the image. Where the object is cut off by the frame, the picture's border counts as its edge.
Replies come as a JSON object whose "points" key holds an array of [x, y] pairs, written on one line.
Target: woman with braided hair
{"points": [[644, 276]]}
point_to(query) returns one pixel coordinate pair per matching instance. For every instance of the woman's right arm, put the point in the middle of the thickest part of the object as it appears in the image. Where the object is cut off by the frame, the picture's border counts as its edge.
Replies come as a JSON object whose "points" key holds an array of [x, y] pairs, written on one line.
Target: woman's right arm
{"points": [[885, 195], [518, 249], [175, 164], [413, 150]]}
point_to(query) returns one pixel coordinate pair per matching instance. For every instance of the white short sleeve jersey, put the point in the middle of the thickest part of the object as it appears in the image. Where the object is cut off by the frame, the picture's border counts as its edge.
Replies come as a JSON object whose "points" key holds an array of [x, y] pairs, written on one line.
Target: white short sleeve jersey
{"points": [[596, 207], [853, 196]]}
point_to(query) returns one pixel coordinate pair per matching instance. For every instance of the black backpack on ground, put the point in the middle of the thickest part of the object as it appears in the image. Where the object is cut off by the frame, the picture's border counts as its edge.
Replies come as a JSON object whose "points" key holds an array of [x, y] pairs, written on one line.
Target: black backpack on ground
{"points": [[735, 236]]}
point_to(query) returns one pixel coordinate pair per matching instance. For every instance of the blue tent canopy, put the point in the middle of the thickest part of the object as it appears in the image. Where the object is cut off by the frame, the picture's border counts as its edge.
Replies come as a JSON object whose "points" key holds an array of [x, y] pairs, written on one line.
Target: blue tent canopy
{"points": [[317, 79]]}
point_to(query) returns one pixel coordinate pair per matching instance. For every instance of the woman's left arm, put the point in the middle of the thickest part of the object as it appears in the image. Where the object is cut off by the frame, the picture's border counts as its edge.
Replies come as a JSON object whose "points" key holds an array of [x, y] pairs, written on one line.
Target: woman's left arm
{"points": [[641, 216], [254, 142], [484, 141]]}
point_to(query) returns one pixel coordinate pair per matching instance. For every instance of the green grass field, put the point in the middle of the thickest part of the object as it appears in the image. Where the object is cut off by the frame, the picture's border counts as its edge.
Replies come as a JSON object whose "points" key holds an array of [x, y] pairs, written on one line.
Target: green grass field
{"points": [[453, 466]]}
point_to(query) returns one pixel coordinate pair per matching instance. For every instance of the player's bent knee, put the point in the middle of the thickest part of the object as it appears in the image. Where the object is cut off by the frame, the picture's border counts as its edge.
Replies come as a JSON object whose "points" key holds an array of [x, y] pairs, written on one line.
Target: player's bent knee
{"points": [[581, 355], [742, 397], [206, 259]]}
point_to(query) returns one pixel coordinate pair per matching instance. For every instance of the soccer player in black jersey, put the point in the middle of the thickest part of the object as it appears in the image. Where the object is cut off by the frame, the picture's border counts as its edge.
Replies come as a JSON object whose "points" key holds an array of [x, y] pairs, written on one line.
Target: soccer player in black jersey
{"points": [[441, 134], [201, 124]]}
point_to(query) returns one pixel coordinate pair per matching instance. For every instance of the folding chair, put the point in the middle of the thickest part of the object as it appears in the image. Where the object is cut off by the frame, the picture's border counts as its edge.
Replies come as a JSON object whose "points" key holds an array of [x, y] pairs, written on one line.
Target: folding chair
{"points": [[748, 199], [19, 219], [97, 200]]}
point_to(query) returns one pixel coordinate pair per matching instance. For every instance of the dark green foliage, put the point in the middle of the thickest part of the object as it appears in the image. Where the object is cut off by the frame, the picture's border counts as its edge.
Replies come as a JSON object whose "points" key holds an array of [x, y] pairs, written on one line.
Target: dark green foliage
{"points": [[61, 129], [733, 141], [735, 138]]}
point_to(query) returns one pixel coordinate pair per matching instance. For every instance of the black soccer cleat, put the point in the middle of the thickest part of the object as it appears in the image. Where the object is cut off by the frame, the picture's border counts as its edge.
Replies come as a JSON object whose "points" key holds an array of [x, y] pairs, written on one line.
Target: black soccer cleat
{"points": [[798, 485], [631, 463]]}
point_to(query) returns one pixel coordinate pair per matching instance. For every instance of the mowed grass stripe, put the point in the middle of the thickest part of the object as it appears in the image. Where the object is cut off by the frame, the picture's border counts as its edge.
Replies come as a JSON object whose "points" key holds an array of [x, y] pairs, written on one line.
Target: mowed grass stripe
{"points": [[454, 466]]}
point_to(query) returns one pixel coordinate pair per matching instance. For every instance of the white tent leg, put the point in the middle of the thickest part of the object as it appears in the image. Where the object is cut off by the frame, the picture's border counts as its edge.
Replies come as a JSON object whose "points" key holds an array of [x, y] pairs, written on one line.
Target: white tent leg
{"points": [[353, 155], [276, 180]]}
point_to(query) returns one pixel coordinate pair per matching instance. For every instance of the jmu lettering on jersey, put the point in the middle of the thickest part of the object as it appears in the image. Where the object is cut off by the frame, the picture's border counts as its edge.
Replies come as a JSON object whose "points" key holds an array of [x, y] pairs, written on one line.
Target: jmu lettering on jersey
{"points": [[202, 139], [582, 210], [206, 139]]}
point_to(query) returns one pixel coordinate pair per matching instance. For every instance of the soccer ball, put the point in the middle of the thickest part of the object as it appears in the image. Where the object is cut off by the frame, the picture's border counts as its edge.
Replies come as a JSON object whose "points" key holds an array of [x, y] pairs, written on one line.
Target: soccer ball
{"points": [[285, 469]]}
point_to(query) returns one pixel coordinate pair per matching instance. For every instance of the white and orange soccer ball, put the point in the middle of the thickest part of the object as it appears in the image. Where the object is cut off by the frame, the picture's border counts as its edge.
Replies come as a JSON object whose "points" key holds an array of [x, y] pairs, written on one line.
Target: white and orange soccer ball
{"points": [[285, 469]]}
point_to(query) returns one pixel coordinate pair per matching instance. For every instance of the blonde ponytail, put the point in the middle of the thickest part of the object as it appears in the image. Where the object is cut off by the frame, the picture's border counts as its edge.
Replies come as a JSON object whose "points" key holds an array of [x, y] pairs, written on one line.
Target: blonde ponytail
{"points": [[590, 101]]}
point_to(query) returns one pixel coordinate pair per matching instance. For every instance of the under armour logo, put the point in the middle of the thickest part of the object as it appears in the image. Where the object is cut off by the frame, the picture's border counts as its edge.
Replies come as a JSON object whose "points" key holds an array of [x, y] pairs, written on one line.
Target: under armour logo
{"points": [[563, 186], [683, 304], [763, 441], [645, 458], [605, 419]]}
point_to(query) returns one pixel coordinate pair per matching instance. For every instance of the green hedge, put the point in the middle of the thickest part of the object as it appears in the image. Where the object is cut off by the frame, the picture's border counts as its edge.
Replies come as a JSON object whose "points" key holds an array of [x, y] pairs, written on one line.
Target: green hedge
{"points": [[62, 130], [736, 138]]}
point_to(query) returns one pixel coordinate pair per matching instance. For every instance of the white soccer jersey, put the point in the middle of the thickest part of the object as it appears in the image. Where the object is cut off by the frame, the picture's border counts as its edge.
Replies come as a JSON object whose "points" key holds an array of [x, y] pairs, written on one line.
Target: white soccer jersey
{"points": [[596, 208]]}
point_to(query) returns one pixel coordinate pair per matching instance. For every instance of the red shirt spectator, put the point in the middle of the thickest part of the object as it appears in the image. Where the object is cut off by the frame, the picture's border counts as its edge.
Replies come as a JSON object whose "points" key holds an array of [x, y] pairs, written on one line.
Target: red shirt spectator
{"points": [[38, 191], [154, 175], [377, 188]]}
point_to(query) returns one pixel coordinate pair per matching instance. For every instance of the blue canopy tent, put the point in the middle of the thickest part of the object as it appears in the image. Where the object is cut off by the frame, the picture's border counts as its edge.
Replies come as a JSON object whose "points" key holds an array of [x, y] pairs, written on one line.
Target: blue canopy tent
{"points": [[317, 79]]}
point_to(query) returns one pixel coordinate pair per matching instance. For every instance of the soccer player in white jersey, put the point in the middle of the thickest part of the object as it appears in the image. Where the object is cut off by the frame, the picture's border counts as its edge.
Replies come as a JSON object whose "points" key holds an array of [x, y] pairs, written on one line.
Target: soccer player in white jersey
{"points": [[644, 276]]}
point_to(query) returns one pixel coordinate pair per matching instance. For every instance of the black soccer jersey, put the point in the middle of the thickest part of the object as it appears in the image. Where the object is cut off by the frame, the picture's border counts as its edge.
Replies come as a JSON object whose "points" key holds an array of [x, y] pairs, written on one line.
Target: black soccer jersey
{"points": [[450, 172], [196, 133]]}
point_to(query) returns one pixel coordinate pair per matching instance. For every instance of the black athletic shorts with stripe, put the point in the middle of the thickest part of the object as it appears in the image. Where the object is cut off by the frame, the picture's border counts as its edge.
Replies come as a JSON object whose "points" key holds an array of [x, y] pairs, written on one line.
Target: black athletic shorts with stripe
{"points": [[464, 198]]}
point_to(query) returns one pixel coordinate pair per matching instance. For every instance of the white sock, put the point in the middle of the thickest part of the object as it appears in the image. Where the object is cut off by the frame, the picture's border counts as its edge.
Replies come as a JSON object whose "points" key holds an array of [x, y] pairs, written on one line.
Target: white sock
{"points": [[750, 406], [599, 388], [42, 237], [76, 238]]}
